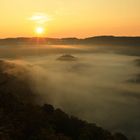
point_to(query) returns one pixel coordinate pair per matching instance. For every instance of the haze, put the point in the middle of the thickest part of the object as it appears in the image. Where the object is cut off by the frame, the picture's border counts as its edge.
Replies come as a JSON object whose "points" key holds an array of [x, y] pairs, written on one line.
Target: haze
{"points": [[82, 56], [101, 86]]}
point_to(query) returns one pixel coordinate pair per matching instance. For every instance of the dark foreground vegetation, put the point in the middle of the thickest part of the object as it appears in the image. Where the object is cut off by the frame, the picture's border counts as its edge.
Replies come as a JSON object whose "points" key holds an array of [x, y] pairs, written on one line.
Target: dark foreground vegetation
{"points": [[22, 119]]}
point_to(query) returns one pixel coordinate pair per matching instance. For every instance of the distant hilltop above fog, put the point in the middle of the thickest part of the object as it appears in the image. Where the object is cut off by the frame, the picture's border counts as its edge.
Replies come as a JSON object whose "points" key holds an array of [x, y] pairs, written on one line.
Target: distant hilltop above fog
{"points": [[67, 57], [97, 40]]}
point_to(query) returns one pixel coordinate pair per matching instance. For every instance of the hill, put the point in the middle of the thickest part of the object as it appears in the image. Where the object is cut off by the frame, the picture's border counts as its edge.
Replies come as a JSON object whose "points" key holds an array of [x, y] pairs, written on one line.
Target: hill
{"points": [[97, 40], [21, 118]]}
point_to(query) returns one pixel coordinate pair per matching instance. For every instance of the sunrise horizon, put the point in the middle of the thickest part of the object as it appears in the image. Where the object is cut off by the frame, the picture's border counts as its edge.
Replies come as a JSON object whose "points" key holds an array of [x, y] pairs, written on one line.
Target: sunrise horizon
{"points": [[61, 37], [69, 69], [69, 18]]}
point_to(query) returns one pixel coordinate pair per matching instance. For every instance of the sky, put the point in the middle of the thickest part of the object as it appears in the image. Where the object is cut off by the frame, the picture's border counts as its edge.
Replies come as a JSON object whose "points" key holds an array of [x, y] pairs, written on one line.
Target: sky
{"points": [[69, 18]]}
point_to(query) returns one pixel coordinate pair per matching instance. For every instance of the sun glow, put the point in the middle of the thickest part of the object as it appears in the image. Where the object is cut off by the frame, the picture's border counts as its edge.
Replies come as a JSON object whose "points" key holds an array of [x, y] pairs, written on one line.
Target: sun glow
{"points": [[39, 30]]}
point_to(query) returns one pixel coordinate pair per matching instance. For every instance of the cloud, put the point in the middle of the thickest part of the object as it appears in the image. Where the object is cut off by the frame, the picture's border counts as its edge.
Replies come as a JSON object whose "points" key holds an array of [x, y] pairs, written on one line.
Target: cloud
{"points": [[40, 18]]}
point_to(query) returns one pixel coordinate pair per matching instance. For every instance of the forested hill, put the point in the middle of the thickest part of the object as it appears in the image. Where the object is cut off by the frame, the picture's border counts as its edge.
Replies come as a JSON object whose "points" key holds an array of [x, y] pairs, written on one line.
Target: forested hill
{"points": [[22, 118], [97, 40]]}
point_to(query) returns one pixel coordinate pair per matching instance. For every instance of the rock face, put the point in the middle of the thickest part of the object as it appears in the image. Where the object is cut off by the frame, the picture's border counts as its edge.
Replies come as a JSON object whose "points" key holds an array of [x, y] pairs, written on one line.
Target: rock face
{"points": [[67, 57], [23, 119]]}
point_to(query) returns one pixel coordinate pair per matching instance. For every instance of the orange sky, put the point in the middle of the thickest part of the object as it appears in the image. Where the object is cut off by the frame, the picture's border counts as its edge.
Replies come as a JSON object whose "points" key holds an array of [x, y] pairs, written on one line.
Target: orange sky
{"points": [[69, 18]]}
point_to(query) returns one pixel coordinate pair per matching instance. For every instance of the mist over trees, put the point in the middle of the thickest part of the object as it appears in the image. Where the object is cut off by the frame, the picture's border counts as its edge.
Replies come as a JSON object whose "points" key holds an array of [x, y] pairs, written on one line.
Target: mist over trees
{"points": [[22, 118]]}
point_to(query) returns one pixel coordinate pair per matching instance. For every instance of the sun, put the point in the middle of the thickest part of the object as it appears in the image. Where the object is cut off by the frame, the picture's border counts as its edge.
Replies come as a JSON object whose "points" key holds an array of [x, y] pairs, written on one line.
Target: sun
{"points": [[39, 30]]}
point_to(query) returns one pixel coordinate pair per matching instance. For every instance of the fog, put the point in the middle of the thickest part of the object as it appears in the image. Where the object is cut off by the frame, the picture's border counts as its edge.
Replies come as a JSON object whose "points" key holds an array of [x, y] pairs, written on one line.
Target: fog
{"points": [[102, 86]]}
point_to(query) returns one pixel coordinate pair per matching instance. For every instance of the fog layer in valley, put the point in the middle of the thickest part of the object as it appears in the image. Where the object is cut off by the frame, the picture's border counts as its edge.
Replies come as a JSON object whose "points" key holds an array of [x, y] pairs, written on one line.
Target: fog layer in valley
{"points": [[101, 85]]}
